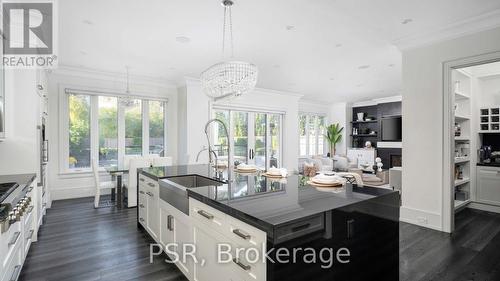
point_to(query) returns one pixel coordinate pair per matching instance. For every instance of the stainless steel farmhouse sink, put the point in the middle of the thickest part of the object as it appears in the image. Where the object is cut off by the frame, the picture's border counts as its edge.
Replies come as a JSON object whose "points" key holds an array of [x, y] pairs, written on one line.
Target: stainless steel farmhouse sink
{"points": [[174, 190]]}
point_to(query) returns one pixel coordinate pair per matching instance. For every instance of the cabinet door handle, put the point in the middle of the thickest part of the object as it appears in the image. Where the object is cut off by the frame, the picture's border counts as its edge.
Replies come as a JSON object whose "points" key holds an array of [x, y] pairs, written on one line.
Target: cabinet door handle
{"points": [[14, 238], [300, 227], [242, 235], [141, 192], [206, 215], [150, 194], [141, 205], [31, 234], [150, 184], [15, 273], [141, 179], [170, 225], [240, 264], [350, 228], [141, 219], [30, 209]]}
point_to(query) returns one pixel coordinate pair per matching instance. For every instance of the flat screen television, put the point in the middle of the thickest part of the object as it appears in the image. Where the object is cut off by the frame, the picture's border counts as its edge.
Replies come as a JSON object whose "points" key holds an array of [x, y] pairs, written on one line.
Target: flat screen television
{"points": [[392, 128]]}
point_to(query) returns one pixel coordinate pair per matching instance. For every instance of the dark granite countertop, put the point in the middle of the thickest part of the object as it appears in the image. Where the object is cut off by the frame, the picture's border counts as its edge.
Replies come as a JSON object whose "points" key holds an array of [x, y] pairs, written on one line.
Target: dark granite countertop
{"points": [[263, 202], [489, 164], [21, 179]]}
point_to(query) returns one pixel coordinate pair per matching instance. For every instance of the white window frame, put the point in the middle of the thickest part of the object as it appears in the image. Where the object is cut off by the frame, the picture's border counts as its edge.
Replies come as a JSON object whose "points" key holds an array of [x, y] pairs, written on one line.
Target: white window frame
{"points": [[251, 111], [317, 133], [94, 94]]}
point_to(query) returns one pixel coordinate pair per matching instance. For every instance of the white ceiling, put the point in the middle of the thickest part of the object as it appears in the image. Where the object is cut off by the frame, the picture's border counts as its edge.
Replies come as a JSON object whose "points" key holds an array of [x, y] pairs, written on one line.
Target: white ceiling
{"points": [[337, 50], [484, 70]]}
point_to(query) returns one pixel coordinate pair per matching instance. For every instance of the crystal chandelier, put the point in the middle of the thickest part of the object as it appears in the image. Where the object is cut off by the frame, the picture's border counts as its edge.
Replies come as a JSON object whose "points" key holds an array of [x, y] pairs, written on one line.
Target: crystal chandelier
{"points": [[228, 78]]}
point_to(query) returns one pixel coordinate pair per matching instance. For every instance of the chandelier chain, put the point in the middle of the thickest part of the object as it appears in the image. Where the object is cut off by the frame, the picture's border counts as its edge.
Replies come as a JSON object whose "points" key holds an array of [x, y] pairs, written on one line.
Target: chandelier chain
{"points": [[227, 27]]}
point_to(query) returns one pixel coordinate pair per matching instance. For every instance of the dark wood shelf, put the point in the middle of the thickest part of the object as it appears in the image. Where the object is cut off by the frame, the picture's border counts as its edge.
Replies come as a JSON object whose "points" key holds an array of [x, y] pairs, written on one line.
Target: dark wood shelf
{"points": [[361, 122], [364, 135]]}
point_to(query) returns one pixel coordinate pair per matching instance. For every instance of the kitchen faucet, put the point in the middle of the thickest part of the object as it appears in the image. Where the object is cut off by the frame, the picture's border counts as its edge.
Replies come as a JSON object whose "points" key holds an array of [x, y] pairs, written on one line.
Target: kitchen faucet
{"points": [[211, 151]]}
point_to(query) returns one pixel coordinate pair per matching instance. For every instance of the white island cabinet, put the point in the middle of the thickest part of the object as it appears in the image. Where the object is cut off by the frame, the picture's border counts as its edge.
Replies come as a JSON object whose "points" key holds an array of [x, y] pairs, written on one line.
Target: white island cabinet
{"points": [[488, 185], [204, 229]]}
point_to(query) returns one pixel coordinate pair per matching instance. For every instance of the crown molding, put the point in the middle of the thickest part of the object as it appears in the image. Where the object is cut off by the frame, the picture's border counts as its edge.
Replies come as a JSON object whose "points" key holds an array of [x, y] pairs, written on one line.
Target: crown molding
{"points": [[83, 72], [486, 21], [196, 81]]}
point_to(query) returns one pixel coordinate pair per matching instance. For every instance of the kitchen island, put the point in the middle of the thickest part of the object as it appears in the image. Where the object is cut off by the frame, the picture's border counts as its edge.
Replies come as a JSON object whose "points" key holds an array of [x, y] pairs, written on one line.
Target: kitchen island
{"points": [[353, 232]]}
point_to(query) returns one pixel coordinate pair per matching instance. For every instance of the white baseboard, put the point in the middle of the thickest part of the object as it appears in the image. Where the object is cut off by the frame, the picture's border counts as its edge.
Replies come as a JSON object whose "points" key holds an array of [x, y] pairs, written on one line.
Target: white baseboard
{"points": [[74, 192], [484, 207], [421, 218]]}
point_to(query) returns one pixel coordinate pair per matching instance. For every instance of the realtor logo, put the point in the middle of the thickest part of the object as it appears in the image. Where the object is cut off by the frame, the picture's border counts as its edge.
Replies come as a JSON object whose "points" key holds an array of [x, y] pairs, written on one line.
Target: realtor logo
{"points": [[28, 30]]}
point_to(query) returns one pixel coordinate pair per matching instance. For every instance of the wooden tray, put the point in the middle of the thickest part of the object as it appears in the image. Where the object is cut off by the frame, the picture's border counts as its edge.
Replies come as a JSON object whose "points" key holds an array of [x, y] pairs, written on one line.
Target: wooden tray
{"points": [[336, 185]]}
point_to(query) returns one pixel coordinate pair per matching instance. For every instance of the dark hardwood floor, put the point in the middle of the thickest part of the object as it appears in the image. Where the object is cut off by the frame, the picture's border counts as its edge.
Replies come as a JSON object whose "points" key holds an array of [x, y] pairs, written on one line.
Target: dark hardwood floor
{"points": [[78, 242]]}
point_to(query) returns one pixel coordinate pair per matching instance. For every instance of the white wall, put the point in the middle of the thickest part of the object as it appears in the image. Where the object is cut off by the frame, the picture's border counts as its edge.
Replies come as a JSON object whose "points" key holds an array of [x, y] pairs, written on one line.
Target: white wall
{"points": [[73, 185], [489, 91], [423, 123], [197, 113], [19, 152], [341, 113]]}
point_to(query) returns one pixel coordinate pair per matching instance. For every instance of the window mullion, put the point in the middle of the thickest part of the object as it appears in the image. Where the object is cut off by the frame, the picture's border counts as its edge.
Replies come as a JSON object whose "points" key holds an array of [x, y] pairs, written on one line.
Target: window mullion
{"points": [[316, 125], [145, 127], [121, 131], [94, 129], [307, 135]]}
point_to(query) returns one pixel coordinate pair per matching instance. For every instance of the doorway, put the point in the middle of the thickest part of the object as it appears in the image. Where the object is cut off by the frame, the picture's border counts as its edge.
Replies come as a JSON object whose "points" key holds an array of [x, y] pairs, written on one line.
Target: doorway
{"points": [[465, 134], [256, 137]]}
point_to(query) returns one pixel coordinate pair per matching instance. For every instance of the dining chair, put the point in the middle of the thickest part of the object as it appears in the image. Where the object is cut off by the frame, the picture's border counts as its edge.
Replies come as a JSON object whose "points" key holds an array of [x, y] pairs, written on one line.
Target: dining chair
{"points": [[99, 185], [131, 185], [162, 161]]}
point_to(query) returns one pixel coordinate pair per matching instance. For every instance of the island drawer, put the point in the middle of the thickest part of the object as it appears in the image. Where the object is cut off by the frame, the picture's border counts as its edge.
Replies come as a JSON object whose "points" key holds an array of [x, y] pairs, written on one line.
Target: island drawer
{"points": [[245, 234], [208, 215], [299, 228]]}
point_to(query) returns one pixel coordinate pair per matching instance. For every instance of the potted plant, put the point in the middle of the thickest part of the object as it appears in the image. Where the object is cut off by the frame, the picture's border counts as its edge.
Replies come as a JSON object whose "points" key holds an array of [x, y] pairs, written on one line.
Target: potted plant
{"points": [[333, 136]]}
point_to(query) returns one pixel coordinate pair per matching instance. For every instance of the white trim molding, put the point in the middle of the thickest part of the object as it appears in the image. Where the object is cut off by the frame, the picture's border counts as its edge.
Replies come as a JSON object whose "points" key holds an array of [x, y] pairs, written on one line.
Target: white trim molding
{"points": [[420, 217], [476, 24]]}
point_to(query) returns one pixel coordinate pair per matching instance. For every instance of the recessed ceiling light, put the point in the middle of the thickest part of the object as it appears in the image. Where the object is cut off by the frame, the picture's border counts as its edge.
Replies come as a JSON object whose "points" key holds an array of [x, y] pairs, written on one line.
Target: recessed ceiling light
{"points": [[83, 52], [290, 27], [182, 39], [331, 78], [87, 22], [391, 65], [359, 85], [171, 68], [406, 21], [338, 45], [364, 67], [276, 66]]}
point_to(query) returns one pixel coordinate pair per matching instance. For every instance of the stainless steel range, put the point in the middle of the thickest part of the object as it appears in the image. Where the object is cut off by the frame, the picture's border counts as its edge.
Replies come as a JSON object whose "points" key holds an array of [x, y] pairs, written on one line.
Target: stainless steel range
{"points": [[13, 203]]}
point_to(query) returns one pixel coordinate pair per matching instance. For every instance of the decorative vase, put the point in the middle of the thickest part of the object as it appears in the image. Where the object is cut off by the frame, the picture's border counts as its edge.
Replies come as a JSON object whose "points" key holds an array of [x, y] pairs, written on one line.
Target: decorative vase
{"points": [[361, 116]]}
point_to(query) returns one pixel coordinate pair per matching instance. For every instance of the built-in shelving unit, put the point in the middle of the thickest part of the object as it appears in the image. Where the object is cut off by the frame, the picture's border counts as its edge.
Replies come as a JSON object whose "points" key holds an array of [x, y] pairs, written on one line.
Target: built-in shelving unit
{"points": [[462, 145]]}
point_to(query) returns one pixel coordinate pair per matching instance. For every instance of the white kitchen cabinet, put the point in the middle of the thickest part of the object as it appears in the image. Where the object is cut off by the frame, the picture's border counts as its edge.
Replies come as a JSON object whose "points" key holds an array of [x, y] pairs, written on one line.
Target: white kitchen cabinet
{"points": [[149, 214], [488, 185], [206, 241], [176, 231], [153, 219], [211, 228]]}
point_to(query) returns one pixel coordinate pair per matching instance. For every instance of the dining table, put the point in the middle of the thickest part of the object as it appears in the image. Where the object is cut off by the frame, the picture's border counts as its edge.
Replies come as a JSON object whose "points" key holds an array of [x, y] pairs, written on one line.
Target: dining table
{"points": [[117, 172]]}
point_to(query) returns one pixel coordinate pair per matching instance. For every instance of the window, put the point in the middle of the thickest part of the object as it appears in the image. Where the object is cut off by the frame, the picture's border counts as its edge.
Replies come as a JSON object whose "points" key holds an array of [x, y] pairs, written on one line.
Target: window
{"points": [[133, 127], [108, 131], [156, 127], [107, 127], [79, 131], [256, 137], [311, 134]]}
